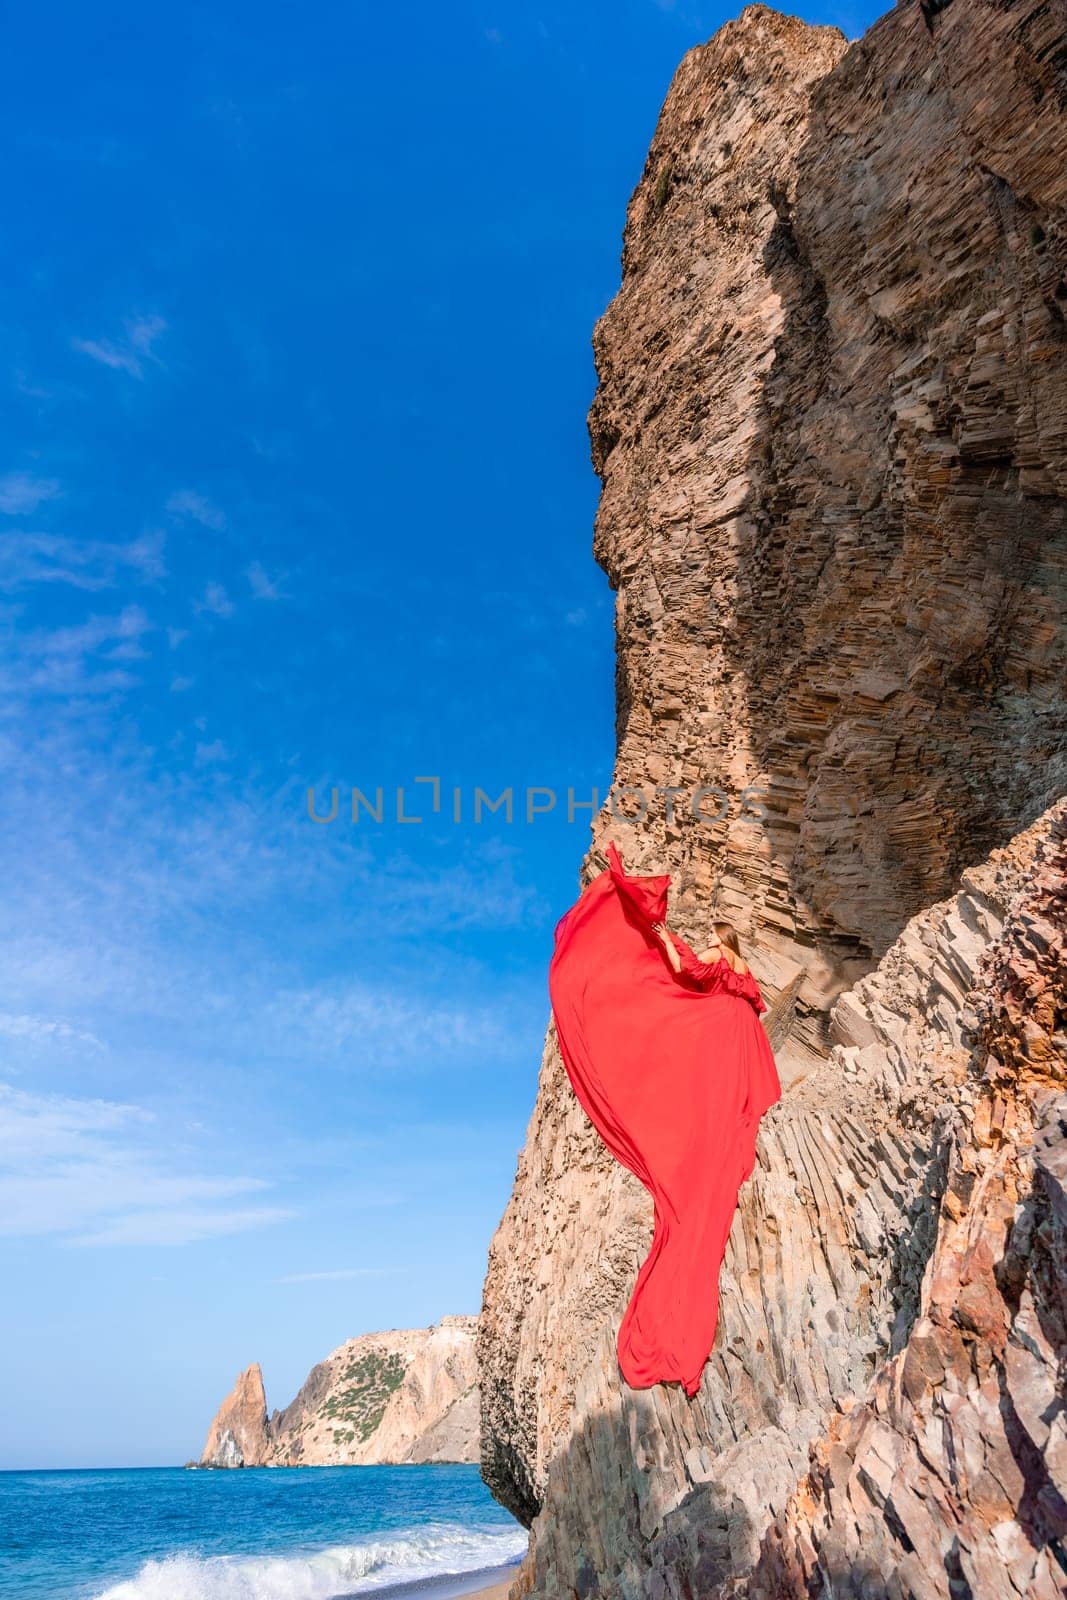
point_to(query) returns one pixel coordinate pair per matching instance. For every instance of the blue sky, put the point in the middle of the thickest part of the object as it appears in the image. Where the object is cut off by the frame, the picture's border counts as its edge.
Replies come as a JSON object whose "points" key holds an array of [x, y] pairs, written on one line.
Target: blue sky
{"points": [[296, 490]]}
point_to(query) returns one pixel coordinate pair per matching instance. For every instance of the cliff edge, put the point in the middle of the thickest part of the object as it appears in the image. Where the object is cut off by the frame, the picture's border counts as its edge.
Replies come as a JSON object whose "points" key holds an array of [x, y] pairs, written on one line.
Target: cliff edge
{"points": [[831, 429]]}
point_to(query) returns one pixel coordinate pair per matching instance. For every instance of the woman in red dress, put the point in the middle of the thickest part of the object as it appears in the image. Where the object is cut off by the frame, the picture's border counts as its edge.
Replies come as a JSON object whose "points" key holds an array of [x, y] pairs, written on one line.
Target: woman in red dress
{"points": [[668, 1057]]}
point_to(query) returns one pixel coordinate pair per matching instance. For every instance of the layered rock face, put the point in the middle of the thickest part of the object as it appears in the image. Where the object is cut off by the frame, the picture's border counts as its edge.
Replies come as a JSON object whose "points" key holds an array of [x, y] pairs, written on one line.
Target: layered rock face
{"points": [[949, 1475], [832, 432], [403, 1395]]}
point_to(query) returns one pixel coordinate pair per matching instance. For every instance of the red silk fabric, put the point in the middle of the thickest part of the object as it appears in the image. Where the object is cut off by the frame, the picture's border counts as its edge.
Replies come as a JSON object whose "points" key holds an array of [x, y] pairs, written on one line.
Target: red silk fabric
{"points": [[674, 1072]]}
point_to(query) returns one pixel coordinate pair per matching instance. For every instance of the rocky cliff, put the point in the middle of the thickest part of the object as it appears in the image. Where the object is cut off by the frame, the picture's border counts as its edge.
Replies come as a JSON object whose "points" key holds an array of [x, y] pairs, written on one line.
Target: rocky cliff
{"points": [[404, 1395], [240, 1433], [948, 1474], [831, 428]]}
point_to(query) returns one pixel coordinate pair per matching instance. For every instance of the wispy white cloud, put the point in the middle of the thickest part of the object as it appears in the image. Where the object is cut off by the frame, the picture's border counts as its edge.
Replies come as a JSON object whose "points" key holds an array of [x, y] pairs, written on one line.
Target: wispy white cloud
{"points": [[382, 1023], [89, 564], [211, 752], [109, 355], [139, 904], [46, 1030], [214, 602], [263, 586], [38, 1128], [75, 660], [189, 504], [20, 492], [83, 637], [91, 1172], [484, 892], [130, 353], [182, 1226], [340, 1274], [24, 384]]}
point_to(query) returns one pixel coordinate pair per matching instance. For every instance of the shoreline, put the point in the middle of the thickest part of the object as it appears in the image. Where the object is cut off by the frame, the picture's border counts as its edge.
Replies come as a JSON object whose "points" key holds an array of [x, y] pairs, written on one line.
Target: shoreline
{"points": [[481, 1583]]}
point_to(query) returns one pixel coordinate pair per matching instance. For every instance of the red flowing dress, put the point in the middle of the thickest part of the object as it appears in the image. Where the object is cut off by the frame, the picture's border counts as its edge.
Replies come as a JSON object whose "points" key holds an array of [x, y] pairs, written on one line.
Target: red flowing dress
{"points": [[674, 1071]]}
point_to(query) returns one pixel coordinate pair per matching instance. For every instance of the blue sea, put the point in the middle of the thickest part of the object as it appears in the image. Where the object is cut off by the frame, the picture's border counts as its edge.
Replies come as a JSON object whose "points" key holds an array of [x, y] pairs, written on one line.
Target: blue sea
{"points": [[255, 1534]]}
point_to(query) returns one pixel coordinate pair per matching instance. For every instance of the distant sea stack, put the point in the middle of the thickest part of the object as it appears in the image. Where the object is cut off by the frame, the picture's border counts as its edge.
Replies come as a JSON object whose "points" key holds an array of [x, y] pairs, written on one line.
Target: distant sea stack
{"points": [[240, 1433], [406, 1395]]}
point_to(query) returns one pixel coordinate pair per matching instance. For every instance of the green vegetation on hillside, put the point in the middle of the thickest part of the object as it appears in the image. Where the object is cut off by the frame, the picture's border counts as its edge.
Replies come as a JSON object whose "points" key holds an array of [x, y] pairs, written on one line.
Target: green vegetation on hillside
{"points": [[367, 1382]]}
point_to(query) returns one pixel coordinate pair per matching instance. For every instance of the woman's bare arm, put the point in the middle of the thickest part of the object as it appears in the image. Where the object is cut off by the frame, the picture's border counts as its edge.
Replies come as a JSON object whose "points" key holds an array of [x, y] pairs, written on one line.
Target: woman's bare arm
{"points": [[663, 934]]}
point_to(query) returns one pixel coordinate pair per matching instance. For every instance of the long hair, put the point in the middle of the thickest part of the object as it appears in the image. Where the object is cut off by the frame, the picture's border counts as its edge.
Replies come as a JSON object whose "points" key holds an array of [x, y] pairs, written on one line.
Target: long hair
{"points": [[727, 933]]}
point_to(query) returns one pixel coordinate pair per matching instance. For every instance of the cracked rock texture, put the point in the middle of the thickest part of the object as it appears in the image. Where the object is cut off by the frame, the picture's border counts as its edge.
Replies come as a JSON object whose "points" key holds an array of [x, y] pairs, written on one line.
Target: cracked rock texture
{"points": [[948, 1476], [831, 428]]}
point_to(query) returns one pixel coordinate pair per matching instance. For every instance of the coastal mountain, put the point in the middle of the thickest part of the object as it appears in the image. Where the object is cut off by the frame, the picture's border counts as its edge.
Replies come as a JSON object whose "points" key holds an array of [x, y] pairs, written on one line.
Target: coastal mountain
{"points": [[831, 431], [403, 1395]]}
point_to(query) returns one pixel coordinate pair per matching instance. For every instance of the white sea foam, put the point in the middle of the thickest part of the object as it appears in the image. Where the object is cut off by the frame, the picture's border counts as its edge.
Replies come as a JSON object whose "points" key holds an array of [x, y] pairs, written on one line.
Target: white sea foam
{"points": [[344, 1569]]}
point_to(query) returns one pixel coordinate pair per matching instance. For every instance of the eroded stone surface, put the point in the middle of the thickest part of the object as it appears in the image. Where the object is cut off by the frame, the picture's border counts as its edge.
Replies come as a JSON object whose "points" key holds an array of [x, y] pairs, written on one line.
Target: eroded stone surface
{"points": [[832, 432], [949, 1475]]}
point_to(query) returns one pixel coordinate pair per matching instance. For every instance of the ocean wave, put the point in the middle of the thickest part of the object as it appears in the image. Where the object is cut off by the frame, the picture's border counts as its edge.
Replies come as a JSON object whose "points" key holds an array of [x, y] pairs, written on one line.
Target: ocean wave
{"points": [[345, 1569]]}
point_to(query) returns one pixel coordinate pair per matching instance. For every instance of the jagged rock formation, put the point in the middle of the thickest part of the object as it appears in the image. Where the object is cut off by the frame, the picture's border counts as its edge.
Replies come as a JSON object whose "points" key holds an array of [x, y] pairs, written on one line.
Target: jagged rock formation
{"points": [[404, 1395], [949, 1475], [832, 432], [240, 1433]]}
